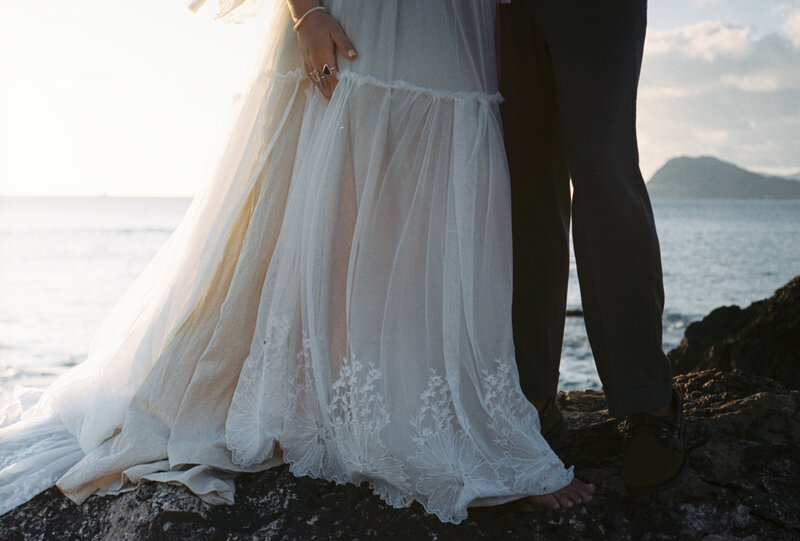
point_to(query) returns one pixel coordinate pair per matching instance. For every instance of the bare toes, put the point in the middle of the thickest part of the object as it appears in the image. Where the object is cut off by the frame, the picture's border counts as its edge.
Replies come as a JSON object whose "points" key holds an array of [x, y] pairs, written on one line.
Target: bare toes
{"points": [[563, 499], [586, 488], [571, 494], [579, 492], [576, 493], [546, 500]]}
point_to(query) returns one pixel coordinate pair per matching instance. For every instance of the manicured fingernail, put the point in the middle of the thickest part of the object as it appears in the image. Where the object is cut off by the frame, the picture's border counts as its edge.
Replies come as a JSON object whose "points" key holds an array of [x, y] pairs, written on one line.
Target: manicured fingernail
{"points": [[351, 53]]}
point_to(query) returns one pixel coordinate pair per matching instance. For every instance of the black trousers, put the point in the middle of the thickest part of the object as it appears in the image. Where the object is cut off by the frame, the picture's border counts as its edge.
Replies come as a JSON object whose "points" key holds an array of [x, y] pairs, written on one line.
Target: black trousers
{"points": [[569, 70]]}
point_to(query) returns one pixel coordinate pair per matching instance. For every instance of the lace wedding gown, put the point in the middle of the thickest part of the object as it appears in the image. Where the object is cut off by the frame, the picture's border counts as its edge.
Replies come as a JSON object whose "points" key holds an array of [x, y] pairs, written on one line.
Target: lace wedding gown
{"points": [[338, 299]]}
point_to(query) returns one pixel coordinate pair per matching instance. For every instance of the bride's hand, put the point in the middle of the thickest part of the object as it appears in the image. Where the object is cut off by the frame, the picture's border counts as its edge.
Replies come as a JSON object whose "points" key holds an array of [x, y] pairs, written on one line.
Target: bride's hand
{"points": [[319, 37]]}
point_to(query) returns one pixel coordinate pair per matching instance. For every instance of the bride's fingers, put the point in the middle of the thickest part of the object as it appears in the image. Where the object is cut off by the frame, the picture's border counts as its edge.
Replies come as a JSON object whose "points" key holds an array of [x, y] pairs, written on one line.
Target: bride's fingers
{"points": [[327, 88], [322, 54], [326, 57], [345, 47], [325, 85], [320, 60], [311, 71], [330, 80], [343, 43], [319, 38]]}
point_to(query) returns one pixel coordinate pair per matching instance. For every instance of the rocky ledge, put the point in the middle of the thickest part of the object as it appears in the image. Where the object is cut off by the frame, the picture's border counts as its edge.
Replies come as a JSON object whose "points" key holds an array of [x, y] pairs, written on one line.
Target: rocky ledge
{"points": [[762, 339], [743, 480]]}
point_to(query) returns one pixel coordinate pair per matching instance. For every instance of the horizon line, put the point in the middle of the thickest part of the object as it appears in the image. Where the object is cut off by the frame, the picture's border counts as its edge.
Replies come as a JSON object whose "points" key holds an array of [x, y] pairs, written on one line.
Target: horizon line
{"points": [[96, 196]]}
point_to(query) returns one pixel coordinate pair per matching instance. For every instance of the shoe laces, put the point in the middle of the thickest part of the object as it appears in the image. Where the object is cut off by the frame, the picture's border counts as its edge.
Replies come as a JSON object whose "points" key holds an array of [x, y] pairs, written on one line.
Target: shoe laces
{"points": [[664, 428]]}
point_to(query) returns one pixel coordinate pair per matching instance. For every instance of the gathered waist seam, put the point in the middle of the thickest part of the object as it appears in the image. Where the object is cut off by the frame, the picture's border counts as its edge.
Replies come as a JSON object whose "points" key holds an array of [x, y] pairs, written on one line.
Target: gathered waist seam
{"points": [[399, 84]]}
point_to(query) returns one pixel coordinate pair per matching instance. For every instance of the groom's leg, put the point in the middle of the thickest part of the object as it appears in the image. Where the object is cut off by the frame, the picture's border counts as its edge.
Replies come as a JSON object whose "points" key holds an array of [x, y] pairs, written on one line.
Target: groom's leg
{"points": [[540, 201], [596, 48]]}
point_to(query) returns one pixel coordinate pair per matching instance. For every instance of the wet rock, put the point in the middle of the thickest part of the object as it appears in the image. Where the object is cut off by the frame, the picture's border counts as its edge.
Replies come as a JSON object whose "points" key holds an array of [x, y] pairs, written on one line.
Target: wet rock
{"points": [[762, 339], [742, 483]]}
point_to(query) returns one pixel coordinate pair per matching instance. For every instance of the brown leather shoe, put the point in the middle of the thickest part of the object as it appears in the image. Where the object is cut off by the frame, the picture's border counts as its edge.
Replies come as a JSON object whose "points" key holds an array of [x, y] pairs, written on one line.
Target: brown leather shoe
{"points": [[654, 452], [551, 419]]}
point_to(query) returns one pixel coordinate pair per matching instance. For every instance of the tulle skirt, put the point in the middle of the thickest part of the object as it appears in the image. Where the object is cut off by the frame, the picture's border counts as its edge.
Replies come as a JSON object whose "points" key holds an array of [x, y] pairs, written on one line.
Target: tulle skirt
{"points": [[338, 299]]}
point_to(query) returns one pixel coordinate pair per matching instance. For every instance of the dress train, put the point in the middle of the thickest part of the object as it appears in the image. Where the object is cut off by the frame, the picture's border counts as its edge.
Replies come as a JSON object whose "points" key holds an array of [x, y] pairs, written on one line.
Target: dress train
{"points": [[342, 290]]}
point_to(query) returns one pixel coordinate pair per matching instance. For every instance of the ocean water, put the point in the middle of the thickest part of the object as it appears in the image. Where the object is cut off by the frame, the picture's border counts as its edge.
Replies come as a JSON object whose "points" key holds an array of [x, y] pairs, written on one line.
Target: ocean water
{"points": [[64, 262]]}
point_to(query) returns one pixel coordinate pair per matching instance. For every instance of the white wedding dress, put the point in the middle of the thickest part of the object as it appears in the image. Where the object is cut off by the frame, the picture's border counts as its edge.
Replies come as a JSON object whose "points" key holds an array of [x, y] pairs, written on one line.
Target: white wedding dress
{"points": [[338, 299]]}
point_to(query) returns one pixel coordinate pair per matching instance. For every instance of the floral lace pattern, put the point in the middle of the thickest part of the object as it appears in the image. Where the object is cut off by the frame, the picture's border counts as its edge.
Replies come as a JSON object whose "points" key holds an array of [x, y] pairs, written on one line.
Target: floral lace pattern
{"points": [[232, 11], [41, 442], [444, 466], [358, 415], [515, 425], [451, 467], [252, 426], [305, 447], [238, 11]]}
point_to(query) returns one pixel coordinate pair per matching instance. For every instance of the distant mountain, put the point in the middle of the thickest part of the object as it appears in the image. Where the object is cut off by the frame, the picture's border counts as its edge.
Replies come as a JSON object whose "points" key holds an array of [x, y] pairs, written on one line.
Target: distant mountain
{"points": [[796, 176], [710, 178]]}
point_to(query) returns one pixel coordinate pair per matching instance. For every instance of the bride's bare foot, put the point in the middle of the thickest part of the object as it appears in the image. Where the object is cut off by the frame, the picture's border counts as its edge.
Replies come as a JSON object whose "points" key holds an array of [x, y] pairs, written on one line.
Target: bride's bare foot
{"points": [[575, 493]]}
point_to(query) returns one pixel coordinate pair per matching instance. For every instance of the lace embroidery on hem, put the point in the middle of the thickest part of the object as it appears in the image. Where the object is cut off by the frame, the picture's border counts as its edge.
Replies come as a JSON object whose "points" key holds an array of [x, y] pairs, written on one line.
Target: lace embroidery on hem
{"points": [[344, 443]]}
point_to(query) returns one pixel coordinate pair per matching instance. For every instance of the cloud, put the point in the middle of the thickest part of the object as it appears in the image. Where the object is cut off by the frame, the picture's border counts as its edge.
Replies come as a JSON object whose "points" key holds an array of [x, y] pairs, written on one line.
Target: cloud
{"points": [[721, 89], [792, 28], [706, 40]]}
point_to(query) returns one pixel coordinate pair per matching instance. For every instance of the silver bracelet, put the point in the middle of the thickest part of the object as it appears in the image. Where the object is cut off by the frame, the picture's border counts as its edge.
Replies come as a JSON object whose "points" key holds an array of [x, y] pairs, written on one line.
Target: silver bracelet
{"points": [[299, 21]]}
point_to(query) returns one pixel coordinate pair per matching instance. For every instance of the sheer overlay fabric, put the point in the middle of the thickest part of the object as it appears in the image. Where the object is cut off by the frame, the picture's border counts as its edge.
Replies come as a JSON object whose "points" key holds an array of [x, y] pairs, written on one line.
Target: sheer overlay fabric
{"points": [[338, 299], [232, 11]]}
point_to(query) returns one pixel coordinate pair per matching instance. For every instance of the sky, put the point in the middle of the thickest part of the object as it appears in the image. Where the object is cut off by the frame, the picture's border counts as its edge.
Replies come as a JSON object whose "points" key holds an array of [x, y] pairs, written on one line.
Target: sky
{"points": [[113, 98], [722, 78]]}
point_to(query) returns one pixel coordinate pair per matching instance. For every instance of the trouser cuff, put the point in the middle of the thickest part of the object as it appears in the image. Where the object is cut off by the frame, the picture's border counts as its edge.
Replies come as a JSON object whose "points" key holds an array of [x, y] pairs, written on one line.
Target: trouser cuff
{"points": [[541, 386], [625, 402]]}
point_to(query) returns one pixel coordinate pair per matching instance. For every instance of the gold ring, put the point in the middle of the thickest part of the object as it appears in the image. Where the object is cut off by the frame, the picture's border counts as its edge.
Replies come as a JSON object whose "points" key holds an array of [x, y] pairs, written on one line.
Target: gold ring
{"points": [[316, 78], [328, 69]]}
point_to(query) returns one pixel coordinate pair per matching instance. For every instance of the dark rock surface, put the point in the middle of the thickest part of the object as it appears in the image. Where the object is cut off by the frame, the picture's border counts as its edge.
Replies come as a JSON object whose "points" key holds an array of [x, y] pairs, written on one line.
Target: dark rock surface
{"points": [[762, 339], [743, 483]]}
